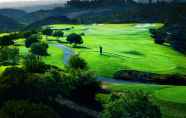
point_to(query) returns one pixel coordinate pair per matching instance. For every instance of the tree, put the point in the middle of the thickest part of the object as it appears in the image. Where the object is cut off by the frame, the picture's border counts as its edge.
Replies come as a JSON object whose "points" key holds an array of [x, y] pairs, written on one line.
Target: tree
{"points": [[58, 34], [39, 49], [47, 31], [9, 56], [26, 109], [78, 85], [11, 84], [34, 64], [74, 39], [85, 86], [178, 40], [29, 33], [131, 105], [6, 41], [158, 35], [76, 62], [32, 39], [17, 83]]}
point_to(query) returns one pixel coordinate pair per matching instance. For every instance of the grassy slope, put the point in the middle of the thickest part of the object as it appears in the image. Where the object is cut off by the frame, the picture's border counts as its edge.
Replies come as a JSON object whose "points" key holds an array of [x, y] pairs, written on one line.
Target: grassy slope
{"points": [[129, 46], [126, 46], [171, 99], [55, 55], [55, 58]]}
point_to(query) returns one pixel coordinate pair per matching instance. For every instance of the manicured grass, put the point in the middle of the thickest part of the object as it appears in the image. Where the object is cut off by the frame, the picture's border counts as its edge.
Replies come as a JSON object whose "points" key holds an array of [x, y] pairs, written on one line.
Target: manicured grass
{"points": [[2, 68], [23, 50], [2, 34], [55, 57], [171, 99], [126, 46], [175, 94]]}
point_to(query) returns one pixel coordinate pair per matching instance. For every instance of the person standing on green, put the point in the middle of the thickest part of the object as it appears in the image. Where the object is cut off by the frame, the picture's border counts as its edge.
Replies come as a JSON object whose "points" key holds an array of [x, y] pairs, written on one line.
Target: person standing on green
{"points": [[100, 50]]}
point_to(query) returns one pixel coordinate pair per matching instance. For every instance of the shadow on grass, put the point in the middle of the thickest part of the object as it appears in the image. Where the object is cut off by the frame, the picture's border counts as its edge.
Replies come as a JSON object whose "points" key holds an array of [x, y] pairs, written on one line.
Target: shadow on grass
{"points": [[133, 52], [62, 41], [19, 44], [80, 47], [58, 41]]}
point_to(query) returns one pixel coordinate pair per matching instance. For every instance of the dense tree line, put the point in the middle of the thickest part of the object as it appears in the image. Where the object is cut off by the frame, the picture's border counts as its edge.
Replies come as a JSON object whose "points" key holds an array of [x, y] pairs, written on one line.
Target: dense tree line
{"points": [[173, 32], [95, 3], [39, 84], [127, 11]]}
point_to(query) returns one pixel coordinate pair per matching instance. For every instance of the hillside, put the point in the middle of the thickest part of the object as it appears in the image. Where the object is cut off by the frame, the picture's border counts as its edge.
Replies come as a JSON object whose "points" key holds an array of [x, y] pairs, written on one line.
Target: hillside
{"points": [[16, 14], [49, 21], [8, 24], [57, 12]]}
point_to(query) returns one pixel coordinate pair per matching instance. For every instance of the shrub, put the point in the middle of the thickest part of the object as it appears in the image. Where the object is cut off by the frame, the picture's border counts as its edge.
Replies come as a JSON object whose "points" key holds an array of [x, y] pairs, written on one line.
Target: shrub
{"points": [[47, 31], [26, 109], [159, 41], [85, 86], [178, 40], [74, 39], [82, 34], [14, 72], [78, 85], [34, 64], [158, 35], [58, 34], [29, 33], [9, 56], [39, 49], [76, 62], [11, 84], [6, 41], [15, 35], [10, 38], [131, 105], [32, 39], [16, 83]]}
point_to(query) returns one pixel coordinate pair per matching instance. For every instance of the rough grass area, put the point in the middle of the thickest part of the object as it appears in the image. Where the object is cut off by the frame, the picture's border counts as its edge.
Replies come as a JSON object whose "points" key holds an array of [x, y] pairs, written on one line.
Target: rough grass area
{"points": [[171, 99], [173, 94], [125, 46]]}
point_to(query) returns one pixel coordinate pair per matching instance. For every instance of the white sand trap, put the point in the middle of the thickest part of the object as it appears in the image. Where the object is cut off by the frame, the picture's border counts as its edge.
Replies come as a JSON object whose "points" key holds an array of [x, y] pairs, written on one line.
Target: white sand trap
{"points": [[146, 25]]}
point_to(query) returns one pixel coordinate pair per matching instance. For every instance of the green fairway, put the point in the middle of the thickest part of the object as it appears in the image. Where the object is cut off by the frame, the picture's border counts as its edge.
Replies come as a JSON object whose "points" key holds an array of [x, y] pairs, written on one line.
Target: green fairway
{"points": [[55, 57], [126, 46]]}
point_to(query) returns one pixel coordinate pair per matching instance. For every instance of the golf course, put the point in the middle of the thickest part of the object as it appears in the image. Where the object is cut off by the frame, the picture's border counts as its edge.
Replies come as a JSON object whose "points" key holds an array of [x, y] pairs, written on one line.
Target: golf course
{"points": [[93, 59], [130, 47], [125, 47]]}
